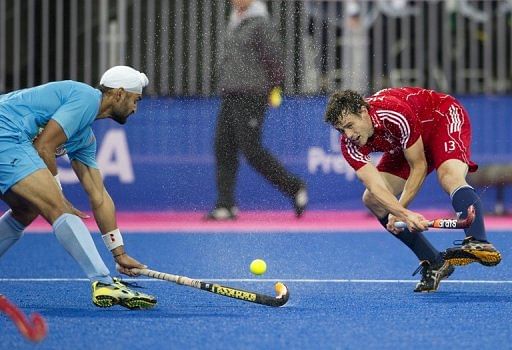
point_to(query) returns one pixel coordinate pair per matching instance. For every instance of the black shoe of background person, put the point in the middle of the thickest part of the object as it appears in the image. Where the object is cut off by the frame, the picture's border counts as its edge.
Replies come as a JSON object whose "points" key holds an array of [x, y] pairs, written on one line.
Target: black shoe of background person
{"points": [[431, 275], [222, 214], [300, 201]]}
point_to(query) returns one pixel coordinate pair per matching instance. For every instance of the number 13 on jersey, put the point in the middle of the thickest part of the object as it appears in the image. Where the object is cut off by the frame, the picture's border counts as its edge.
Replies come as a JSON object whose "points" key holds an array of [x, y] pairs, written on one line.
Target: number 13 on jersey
{"points": [[449, 146]]}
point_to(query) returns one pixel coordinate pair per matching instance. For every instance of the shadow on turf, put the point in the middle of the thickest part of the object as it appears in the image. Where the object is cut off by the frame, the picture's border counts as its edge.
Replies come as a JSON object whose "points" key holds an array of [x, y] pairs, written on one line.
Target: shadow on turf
{"points": [[465, 297], [124, 313]]}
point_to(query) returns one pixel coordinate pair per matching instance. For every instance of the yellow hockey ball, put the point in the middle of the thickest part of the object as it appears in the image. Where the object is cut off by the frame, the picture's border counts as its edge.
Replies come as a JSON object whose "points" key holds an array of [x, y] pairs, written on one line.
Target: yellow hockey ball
{"points": [[258, 267]]}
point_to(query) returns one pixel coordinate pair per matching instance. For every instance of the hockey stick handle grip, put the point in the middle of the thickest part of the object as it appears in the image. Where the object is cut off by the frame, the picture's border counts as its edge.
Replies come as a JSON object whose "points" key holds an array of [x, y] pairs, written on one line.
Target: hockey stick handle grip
{"points": [[186, 281], [401, 224]]}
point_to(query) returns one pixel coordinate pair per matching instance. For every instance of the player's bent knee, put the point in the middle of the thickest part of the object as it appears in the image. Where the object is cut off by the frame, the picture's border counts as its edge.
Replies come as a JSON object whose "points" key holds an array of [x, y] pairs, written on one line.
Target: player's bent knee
{"points": [[254, 159], [51, 213], [449, 181], [373, 205], [23, 212], [25, 217], [369, 200], [251, 152]]}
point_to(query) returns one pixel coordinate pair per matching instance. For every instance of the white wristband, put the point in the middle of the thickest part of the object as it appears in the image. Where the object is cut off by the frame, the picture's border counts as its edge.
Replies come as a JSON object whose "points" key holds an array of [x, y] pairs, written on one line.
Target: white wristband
{"points": [[113, 239], [57, 180]]}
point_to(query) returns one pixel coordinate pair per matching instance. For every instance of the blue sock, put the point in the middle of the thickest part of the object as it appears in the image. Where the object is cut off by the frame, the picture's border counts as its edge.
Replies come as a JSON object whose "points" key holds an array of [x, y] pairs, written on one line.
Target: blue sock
{"points": [[11, 231], [74, 236], [417, 242], [462, 198]]}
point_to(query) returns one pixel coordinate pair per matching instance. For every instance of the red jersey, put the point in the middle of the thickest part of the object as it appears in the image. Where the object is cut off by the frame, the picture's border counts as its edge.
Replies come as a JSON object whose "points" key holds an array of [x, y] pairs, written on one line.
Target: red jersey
{"points": [[400, 116]]}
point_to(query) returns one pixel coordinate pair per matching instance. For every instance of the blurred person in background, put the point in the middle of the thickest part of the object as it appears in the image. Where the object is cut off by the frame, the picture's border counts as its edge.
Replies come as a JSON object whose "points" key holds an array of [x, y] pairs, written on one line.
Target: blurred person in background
{"points": [[251, 68], [418, 131]]}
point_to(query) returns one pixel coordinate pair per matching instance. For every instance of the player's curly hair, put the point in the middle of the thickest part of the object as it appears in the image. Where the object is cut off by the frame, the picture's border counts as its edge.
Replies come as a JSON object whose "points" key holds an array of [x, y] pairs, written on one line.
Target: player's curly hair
{"points": [[342, 103]]}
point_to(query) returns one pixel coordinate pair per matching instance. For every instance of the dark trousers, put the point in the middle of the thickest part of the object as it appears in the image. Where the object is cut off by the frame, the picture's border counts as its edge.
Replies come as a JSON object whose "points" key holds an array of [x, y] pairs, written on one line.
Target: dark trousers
{"points": [[239, 130]]}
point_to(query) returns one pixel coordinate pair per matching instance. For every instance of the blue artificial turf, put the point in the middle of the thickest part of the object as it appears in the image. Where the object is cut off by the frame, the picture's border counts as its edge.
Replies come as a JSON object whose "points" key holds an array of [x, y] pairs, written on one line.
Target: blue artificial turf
{"points": [[348, 291]]}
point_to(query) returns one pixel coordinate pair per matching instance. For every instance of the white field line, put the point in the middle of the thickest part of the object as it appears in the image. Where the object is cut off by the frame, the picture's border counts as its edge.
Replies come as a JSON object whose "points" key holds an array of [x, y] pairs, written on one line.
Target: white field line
{"points": [[222, 280]]}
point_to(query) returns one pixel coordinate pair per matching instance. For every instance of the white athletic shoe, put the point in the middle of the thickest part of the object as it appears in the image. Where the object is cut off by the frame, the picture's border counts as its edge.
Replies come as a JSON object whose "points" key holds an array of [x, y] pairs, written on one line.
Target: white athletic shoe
{"points": [[222, 213], [300, 201]]}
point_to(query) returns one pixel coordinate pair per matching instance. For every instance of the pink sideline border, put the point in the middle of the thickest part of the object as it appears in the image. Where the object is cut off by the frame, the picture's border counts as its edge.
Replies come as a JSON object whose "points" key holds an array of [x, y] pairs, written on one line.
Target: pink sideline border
{"points": [[258, 221]]}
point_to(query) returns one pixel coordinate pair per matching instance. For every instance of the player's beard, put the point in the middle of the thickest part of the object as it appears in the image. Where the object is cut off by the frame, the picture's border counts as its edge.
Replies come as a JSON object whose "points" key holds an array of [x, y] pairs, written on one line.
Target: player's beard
{"points": [[121, 119]]}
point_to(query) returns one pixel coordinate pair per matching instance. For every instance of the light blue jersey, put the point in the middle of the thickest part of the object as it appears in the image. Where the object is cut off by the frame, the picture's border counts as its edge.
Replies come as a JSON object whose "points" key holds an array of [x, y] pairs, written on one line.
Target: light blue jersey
{"points": [[24, 112]]}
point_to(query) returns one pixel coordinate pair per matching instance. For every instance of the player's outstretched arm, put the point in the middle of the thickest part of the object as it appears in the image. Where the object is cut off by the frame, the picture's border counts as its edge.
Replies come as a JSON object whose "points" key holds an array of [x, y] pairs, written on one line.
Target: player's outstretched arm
{"points": [[46, 144], [104, 212], [374, 182]]}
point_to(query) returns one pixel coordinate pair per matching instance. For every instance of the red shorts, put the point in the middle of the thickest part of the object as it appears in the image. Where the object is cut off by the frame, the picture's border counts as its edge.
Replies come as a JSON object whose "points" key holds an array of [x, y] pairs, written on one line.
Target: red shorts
{"points": [[448, 137]]}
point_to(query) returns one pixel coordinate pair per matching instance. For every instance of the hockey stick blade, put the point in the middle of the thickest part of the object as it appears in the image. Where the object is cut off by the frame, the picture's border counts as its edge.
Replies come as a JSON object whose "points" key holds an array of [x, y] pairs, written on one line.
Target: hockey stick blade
{"points": [[34, 329], [448, 223], [281, 298]]}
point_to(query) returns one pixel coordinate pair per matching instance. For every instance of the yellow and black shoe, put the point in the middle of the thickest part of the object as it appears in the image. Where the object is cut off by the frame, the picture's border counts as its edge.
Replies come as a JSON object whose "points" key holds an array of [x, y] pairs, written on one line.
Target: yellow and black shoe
{"points": [[470, 250], [117, 293]]}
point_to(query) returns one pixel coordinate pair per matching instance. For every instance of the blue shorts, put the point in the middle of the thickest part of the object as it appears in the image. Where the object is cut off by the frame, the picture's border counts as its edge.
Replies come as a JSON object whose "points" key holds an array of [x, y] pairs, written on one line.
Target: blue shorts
{"points": [[18, 159]]}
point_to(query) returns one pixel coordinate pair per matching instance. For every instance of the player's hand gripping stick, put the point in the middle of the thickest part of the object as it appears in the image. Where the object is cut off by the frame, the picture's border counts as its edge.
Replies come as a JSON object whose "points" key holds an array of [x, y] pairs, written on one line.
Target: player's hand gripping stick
{"points": [[447, 223]]}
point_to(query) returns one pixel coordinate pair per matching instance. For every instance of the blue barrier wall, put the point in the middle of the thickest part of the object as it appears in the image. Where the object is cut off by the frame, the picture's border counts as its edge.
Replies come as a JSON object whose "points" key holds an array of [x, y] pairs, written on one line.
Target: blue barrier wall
{"points": [[163, 158]]}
